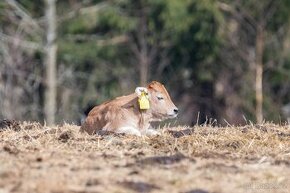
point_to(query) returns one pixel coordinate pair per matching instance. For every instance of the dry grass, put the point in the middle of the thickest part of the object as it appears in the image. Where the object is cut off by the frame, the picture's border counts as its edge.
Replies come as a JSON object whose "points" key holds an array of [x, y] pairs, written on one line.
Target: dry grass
{"points": [[35, 158]]}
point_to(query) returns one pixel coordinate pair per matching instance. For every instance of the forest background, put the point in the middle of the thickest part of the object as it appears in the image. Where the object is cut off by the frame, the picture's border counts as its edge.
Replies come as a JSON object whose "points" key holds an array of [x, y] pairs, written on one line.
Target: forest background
{"points": [[223, 61]]}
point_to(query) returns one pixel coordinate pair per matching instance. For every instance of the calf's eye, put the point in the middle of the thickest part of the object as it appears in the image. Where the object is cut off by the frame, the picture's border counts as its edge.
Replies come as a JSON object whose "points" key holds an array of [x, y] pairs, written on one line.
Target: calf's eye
{"points": [[160, 98]]}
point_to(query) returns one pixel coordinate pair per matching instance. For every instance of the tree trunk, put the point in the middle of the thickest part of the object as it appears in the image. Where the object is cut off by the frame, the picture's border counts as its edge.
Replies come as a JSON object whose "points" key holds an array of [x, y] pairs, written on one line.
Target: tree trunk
{"points": [[143, 70], [143, 56], [259, 73], [50, 62]]}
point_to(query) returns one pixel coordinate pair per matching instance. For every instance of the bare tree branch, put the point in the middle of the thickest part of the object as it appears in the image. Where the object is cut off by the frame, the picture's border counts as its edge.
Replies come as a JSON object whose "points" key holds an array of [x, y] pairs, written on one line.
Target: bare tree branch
{"points": [[240, 15], [21, 42], [24, 14], [101, 42], [81, 11]]}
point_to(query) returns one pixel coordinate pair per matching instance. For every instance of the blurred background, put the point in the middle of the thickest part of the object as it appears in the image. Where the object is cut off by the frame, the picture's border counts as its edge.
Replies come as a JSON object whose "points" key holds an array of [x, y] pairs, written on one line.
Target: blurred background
{"points": [[222, 61]]}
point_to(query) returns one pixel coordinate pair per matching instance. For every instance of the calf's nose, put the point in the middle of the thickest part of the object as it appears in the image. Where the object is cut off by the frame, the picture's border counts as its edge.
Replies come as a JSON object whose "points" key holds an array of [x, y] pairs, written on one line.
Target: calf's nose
{"points": [[175, 111]]}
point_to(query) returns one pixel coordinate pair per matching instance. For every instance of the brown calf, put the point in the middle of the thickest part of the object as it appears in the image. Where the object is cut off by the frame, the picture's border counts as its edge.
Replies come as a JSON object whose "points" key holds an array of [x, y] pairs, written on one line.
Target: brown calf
{"points": [[133, 113]]}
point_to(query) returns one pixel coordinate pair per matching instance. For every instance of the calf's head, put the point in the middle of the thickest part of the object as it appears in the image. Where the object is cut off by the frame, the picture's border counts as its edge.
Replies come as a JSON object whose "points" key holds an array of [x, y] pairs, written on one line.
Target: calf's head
{"points": [[161, 105]]}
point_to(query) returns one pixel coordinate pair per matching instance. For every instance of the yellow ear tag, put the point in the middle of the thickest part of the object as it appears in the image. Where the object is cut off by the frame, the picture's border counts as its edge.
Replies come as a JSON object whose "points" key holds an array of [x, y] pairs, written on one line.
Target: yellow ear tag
{"points": [[144, 101]]}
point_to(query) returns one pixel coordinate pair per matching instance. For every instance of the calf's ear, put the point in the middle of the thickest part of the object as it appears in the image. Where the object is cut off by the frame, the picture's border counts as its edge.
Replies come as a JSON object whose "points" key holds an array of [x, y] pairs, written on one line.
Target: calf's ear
{"points": [[139, 90]]}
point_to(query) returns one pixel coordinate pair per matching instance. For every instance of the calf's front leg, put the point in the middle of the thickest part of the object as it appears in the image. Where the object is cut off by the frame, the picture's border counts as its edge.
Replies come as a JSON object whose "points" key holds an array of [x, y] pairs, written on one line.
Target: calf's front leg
{"points": [[129, 130]]}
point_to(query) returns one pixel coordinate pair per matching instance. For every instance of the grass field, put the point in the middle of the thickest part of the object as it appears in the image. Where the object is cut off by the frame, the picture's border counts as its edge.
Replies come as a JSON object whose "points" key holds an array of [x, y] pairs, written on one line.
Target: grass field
{"points": [[36, 158]]}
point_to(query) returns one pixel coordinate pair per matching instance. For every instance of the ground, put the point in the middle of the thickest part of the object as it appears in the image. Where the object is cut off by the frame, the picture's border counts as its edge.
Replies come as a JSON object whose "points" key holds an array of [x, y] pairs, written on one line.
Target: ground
{"points": [[200, 159]]}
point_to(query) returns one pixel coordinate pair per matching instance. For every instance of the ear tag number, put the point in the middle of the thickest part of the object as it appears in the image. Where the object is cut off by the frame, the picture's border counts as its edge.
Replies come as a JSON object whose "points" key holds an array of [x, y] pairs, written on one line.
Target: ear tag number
{"points": [[144, 101]]}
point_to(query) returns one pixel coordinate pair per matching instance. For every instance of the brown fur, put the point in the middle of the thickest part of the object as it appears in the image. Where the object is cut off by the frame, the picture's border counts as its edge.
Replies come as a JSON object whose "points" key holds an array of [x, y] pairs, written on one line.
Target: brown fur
{"points": [[124, 112]]}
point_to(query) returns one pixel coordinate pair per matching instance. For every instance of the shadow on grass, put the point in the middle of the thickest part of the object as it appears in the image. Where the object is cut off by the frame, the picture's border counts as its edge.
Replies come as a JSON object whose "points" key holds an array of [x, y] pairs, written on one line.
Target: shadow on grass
{"points": [[178, 134], [139, 186], [164, 160]]}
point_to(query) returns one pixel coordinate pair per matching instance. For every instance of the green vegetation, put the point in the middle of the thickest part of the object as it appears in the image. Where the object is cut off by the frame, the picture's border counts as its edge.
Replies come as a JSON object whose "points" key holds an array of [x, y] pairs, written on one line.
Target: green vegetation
{"points": [[206, 52]]}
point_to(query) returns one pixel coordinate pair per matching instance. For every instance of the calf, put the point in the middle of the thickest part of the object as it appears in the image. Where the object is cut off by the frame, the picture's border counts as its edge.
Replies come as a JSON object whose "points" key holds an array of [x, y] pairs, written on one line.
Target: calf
{"points": [[133, 113]]}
